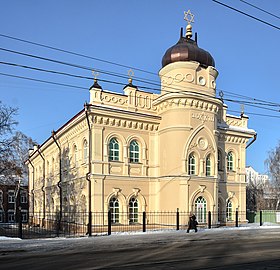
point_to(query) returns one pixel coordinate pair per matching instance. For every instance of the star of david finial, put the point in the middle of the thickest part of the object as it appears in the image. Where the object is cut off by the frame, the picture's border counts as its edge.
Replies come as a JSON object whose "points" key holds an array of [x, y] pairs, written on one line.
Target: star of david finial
{"points": [[189, 17], [130, 75], [95, 74]]}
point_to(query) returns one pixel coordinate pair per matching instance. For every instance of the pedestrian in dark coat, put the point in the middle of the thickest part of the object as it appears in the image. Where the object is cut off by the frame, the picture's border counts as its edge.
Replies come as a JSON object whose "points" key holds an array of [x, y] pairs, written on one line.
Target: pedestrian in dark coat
{"points": [[192, 225]]}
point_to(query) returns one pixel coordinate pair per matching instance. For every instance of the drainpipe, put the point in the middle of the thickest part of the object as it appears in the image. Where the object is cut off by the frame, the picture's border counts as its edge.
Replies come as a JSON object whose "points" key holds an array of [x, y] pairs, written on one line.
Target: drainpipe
{"points": [[255, 137], [60, 180], [88, 175], [43, 187], [32, 190]]}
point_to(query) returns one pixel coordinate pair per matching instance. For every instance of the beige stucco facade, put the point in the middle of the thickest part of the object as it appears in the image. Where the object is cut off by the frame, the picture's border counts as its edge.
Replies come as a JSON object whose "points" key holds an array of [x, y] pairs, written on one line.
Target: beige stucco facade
{"points": [[191, 155]]}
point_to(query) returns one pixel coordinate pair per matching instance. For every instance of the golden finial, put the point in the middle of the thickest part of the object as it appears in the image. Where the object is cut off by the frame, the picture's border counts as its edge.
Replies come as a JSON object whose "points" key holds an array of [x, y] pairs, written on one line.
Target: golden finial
{"points": [[130, 75], [95, 75], [189, 17]]}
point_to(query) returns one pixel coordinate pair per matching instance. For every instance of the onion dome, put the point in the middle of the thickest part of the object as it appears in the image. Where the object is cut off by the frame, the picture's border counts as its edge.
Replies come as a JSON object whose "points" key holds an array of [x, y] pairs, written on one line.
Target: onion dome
{"points": [[186, 49]]}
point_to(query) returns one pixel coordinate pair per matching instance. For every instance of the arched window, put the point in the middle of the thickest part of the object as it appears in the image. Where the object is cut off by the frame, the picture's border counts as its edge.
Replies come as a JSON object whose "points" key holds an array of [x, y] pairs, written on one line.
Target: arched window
{"points": [[208, 165], [114, 150], [230, 161], [115, 210], [52, 166], [229, 210], [133, 210], [134, 152], [200, 209], [75, 156], [219, 160], [192, 168], [85, 148]]}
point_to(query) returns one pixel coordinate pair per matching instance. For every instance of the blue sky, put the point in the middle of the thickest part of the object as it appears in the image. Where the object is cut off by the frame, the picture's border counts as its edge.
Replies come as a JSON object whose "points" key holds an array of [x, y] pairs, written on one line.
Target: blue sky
{"points": [[135, 34]]}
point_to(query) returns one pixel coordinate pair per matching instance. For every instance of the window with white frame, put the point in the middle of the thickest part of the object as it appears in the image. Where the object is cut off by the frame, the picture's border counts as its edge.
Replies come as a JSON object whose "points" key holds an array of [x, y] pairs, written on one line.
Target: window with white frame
{"points": [[230, 161], [115, 210], [11, 196], [24, 215], [133, 210], [192, 165], [85, 148], [75, 156], [208, 165], [114, 150], [229, 211], [23, 197], [134, 152], [200, 209], [11, 216]]}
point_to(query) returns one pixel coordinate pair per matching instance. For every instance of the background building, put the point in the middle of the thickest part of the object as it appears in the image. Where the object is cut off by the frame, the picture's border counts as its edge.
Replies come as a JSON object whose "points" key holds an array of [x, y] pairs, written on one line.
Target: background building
{"points": [[13, 195], [140, 151]]}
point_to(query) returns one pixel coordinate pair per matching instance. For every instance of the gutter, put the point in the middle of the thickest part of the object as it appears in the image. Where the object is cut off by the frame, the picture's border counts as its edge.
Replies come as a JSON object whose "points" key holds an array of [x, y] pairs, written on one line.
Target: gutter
{"points": [[88, 175], [251, 142], [43, 187], [60, 179], [32, 191]]}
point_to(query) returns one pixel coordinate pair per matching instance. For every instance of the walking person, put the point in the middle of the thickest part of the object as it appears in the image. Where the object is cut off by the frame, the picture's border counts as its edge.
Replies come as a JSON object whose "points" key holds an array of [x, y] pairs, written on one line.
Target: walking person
{"points": [[192, 225]]}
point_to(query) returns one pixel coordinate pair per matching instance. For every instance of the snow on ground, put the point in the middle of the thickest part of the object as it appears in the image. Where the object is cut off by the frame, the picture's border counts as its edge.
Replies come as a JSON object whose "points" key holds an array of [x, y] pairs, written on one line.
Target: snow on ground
{"points": [[102, 242]]}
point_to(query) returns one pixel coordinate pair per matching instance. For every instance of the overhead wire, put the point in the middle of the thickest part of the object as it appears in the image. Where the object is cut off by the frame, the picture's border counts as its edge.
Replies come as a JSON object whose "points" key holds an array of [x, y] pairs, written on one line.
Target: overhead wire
{"points": [[263, 10], [76, 54], [246, 14]]}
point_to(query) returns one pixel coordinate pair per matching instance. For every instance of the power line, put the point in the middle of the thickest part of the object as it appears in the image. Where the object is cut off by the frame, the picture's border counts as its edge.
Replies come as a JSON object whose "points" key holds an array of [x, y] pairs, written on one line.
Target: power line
{"points": [[42, 81], [260, 9], [253, 103], [248, 15], [77, 54], [75, 65]]}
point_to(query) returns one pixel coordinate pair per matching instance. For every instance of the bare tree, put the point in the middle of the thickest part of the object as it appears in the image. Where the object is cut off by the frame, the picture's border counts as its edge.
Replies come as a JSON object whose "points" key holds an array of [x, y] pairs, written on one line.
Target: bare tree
{"points": [[14, 145], [7, 125], [273, 164]]}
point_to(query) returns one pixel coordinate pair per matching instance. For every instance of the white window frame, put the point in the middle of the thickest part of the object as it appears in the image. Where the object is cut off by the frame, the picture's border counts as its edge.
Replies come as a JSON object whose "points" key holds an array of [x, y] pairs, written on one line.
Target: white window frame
{"points": [[192, 164], [114, 149], [11, 196], [23, 197], [134, 152], [230, 161], [201, 209], [85, 151], [133, 210], [114, 205], [208, 168], [11, 216]]}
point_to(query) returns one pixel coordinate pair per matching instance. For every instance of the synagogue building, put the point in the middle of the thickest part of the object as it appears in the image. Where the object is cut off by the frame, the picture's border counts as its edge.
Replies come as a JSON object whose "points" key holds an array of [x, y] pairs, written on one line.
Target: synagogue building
{"points": [[137, 151]]}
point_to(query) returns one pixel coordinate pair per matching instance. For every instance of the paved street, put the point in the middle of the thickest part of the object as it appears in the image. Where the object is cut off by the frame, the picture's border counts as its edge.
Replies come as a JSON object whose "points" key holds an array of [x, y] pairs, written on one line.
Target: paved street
{"points": [[252, 248]]}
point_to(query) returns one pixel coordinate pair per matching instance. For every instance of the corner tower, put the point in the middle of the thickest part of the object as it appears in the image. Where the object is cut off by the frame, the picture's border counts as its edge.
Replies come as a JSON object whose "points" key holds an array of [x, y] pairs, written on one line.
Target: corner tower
{"points": [[188, 107]]}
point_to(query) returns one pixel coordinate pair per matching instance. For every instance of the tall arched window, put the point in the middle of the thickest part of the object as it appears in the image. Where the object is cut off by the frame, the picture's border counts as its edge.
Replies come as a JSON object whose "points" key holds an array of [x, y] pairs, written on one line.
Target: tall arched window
{"points": [[230, 161], [75, 155], [133, 210], [229, 210], [134, 152], [115, 210], [208, 165], [200, 209], [114, 150], [192, 166], [219, 160], [52, 166], [85, 148]]}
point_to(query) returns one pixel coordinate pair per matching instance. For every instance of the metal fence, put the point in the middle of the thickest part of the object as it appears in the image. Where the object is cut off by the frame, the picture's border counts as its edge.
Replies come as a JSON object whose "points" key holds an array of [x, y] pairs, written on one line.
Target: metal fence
{"points": [[76, 224]]}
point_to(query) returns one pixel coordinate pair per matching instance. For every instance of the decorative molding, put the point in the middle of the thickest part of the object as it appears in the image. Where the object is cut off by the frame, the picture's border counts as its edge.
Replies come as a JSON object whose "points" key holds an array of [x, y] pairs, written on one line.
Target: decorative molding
{"points": [[116, 191], [202, 188]]}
